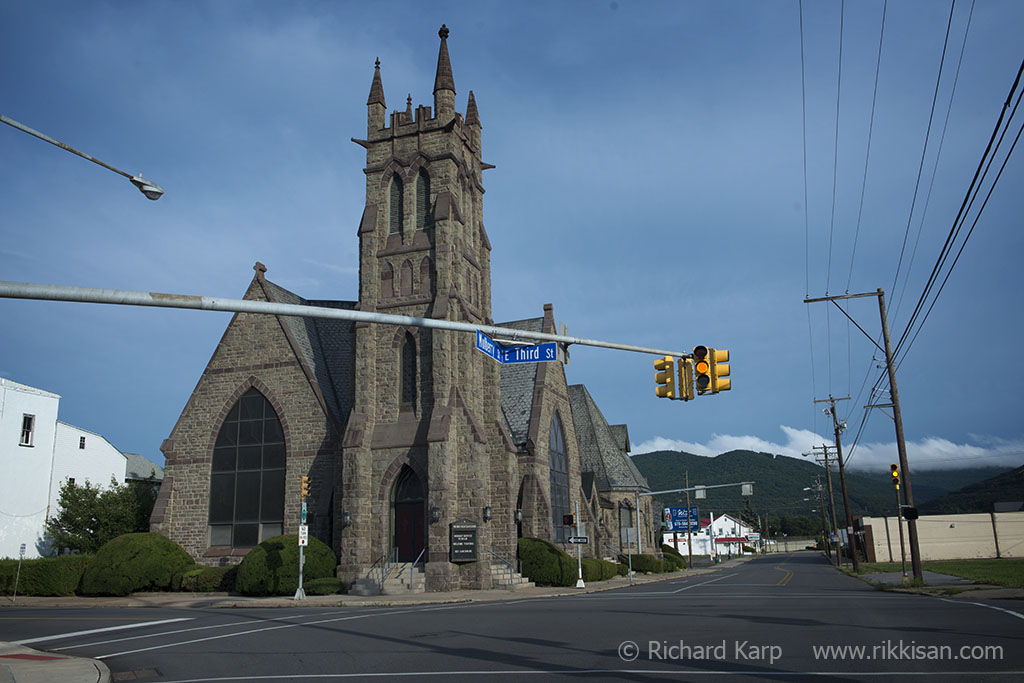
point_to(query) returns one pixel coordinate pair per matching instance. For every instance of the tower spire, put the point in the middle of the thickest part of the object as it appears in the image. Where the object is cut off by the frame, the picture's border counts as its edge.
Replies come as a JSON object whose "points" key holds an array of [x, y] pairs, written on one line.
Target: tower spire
{"points": [[444, 80], [472, 115], [376, 88]]}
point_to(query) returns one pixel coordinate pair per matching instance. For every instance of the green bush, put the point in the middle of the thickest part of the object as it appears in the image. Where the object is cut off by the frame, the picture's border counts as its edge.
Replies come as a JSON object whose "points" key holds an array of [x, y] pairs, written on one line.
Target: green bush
{"points": [[58, 575], [135, 562], [326, 586], [545, 563], [622, 569], [207, 580], [272, 567], [598, 570], [646, 563], [673, 557]]}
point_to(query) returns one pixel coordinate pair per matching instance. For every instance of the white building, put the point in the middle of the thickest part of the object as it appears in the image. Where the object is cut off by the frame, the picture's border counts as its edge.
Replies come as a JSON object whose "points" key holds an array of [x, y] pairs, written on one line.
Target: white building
{"points": [[722, 535], [38, 453]]}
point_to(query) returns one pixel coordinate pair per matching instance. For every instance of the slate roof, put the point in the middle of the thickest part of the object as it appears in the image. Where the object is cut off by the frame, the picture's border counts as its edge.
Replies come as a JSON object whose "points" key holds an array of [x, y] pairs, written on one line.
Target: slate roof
{"points": [[139, 468], [327, 346], [602, 447], [517, 386]]}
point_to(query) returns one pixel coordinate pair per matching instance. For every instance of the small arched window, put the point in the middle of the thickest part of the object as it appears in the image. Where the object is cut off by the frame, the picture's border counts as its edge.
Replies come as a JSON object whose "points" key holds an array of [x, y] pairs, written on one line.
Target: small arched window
{"points": [[422, 200], [408, 376], [406, 274], [247, 478], [559, 479], [396, 217], [426, 279], [387, 281]]}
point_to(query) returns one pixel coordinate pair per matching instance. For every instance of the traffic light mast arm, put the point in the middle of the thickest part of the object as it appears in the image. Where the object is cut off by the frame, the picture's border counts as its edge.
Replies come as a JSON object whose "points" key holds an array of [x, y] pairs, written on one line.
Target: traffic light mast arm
{"points": [[694, 488]]}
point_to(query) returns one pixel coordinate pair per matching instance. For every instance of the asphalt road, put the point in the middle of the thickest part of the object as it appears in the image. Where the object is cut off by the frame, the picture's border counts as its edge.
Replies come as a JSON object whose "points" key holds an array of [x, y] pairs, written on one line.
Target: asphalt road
{"points": [[782, 617]]}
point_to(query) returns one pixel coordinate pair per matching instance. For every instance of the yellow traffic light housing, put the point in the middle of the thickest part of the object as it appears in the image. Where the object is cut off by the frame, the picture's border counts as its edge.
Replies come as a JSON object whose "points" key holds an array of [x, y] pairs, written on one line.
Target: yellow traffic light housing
{"points": [[894, 471], [719, 370], [665, 377], [304, 492], [686, 379], [702, 369]]}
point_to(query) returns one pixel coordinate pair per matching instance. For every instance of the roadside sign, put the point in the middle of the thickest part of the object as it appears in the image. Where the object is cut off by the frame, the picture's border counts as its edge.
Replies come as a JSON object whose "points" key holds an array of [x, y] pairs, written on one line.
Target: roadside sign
{"points": [[537, 353], [303, 534], [21, 552], [677, 519], [754, 537], [579, 540]]}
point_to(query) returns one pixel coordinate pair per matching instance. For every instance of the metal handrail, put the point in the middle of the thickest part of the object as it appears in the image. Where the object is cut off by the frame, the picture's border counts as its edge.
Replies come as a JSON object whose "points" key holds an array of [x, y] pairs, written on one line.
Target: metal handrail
{"points": [[511, 569], [618, 553]]}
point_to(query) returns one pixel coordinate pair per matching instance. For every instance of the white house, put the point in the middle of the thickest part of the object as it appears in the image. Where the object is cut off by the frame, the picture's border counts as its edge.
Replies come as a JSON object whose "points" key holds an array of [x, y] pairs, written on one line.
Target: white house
{"points": [[722, 535], [38, 453]]}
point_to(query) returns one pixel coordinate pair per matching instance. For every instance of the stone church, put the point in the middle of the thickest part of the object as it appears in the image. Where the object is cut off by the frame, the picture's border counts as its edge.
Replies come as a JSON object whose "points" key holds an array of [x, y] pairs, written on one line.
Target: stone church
{"points": [[404, 431]]}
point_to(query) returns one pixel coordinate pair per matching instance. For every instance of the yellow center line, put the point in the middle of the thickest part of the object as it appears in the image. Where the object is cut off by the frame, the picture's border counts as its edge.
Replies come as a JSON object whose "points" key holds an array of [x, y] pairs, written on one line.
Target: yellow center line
{"points": [[789, 574]]}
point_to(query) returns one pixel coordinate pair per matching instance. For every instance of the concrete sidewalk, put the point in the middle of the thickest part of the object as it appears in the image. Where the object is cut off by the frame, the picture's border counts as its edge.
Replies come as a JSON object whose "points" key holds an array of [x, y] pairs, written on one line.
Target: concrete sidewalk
{"points": [[25, 665]]}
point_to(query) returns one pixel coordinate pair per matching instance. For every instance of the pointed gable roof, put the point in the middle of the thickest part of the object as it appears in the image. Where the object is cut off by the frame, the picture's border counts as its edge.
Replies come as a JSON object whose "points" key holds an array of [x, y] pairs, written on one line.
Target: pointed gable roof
{"points": [[602, 447], [518, 383], [443, 79]]}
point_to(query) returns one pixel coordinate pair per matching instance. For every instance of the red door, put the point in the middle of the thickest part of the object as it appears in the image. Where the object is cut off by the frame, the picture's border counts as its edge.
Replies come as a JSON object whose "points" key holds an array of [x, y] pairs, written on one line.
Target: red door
{"points": [[409, 535]]}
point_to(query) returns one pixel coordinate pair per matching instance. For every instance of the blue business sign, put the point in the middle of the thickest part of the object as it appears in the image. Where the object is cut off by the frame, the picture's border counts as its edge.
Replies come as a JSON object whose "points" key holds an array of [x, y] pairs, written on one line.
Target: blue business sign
{"points": [[676, 519], [538, 353]]}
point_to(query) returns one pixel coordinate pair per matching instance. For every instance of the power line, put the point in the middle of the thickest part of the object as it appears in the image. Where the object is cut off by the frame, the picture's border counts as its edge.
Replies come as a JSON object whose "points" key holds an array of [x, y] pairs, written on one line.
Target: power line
{"points": [[835, 160]]}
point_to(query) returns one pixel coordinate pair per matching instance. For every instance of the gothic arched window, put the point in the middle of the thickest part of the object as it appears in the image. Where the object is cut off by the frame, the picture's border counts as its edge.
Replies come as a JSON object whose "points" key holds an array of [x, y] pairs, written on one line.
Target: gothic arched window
{"points": [[426, 279], [406, 275], [422, 200], [559, 479], [408, 376], [396, 217], [247, 478], [387, 281]]}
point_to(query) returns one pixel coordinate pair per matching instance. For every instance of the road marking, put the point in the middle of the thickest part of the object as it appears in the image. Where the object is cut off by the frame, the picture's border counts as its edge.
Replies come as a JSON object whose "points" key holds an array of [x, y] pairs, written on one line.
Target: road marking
{"points": [[697, 585], [678, 590], [98, 630], [785, 579], [981, 604]]}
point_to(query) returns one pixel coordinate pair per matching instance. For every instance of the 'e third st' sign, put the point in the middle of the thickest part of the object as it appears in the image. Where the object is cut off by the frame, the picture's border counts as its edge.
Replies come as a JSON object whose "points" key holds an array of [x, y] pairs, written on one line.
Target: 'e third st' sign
{"points": [[462, 537]]}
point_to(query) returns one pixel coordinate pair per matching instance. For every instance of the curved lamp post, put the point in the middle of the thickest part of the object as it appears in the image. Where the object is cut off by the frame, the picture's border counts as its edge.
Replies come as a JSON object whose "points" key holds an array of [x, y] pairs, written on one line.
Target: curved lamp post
{"points": [[146, 187]]}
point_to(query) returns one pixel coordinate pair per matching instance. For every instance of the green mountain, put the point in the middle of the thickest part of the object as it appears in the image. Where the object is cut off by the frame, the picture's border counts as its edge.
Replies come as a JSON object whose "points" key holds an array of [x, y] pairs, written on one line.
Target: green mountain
{"points": [[978, 497], [779, 482]]}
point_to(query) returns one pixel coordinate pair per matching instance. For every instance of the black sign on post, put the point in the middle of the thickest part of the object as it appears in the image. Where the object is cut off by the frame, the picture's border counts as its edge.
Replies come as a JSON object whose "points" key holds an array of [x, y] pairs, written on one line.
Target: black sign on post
{"points": [[462, 537]]}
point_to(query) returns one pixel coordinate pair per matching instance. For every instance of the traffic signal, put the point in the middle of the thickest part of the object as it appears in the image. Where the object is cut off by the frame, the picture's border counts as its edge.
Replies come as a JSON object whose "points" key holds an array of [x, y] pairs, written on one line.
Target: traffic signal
{"points": [[702, 369], [569, 520], [894, 471], [665, 377], [305, 487], [686, 379], [719, 370]]}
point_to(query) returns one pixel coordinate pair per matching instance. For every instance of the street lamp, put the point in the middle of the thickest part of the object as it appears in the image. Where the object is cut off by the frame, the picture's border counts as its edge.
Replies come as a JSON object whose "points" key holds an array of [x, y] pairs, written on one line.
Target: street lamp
{"points": [[147, 187]]}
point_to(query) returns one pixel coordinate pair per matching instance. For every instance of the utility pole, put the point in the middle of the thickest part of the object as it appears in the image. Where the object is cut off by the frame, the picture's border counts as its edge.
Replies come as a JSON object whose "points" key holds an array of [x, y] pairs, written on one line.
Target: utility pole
{"points": [[838, 427], [831, 498], [897, 415], [689, 525], [824, 525]]}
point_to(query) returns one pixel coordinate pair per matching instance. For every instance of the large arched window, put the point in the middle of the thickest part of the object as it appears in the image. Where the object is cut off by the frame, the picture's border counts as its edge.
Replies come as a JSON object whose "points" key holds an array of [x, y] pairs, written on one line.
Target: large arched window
{"points": [[422, 200], [408, 377], [396, 217], [559, 479], [247, 478]]}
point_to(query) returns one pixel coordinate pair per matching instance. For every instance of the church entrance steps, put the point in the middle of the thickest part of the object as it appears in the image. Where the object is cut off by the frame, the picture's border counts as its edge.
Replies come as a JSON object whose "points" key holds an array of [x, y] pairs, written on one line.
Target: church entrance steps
{"points": [[404, 579], [503, 577]]}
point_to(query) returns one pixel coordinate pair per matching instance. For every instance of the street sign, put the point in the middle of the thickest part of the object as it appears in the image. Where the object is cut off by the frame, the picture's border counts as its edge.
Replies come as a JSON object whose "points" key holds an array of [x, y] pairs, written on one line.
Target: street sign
{"points": [[303, 534], [677, 519], [21, 552], [537, 353], [302, 519], [579, 540]]}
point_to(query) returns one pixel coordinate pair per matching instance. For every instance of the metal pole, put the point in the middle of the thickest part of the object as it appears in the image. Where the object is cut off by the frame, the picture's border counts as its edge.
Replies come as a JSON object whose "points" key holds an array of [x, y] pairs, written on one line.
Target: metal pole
{"points": [[901, 446], [579, 551], [26, 290], [689, 525], [899, 523], [639, 544]]}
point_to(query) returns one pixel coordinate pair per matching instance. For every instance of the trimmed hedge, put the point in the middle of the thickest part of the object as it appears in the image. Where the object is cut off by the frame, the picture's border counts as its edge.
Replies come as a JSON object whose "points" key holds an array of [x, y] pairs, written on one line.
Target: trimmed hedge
{"points": [[272, 567], [545, 563], [58, 575], [599, 570], [325, 586], [673, 556], [135, 562], [649, 564], [207, 580]]}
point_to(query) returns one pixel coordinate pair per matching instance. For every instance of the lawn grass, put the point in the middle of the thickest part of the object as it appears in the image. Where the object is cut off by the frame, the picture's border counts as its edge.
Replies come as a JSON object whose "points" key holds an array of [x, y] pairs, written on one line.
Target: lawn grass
{"points": [[1003, 572]]}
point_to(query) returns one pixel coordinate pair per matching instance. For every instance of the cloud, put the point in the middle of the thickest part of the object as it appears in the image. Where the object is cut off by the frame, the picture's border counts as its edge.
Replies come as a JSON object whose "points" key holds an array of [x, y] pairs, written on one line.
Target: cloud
{"points": [[929, 453]]}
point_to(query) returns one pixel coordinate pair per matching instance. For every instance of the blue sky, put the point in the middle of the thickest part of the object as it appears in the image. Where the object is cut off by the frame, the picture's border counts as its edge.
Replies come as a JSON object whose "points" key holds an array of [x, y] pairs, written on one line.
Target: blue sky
{"points": [[649, 183]]}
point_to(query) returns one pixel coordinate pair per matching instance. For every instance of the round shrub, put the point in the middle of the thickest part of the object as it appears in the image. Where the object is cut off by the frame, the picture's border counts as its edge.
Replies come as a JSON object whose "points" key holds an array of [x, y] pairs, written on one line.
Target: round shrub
{"points": [[545, 563], [134, 562], [208, 580], [673, 557], [272, 567], [645, 563], [598, 570], [327, 586]]}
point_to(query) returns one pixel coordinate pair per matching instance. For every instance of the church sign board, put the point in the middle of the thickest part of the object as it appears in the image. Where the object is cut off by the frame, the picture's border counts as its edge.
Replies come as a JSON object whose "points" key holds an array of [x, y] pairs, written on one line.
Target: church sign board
{"points": [[462, 536]]}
